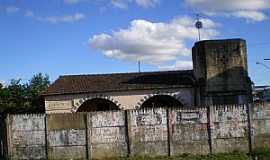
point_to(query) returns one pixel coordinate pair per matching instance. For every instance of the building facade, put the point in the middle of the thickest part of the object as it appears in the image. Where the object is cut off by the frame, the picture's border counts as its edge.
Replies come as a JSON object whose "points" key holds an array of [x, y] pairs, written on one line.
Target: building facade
{"points": [[261, 93], [219, 76]]}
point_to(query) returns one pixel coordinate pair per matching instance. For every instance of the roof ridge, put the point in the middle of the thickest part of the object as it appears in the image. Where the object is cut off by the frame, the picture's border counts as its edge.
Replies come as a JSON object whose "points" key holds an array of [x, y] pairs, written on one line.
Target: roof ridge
{"points": [[121, 73]]}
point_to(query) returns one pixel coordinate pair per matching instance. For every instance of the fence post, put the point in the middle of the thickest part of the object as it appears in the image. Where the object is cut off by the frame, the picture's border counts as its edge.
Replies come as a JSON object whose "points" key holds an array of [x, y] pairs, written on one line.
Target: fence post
{"points": [[9, 144], [46, 136], [168, 131], [4, 136], [1, 136], [127, 133], [209, 127], [89, 133], [248, 110], [86, 136]]}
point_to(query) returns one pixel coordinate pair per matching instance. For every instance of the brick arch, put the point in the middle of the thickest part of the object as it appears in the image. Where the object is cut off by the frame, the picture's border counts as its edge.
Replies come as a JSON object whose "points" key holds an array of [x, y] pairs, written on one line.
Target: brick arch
{"points": [[173, 95], [78, 102]]}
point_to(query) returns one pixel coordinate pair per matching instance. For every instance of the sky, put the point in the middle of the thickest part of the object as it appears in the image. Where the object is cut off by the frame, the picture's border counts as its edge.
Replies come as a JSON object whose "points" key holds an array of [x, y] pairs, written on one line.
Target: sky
{"points": [[59, 37]]}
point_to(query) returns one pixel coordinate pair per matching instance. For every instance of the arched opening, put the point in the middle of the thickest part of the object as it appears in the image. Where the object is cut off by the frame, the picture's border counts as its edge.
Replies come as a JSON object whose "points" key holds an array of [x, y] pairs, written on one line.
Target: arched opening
{"points": [[161, 101], [97, 104]]}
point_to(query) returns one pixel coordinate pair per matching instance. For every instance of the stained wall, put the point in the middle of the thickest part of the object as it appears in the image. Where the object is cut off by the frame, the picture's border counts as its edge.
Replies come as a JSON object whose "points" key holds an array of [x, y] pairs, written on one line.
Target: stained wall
{"points": [[151, 132]]}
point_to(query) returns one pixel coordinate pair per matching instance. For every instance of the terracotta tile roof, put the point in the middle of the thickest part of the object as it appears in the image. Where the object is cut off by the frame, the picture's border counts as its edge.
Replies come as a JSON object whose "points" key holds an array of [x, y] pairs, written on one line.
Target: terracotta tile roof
{"points": [[71, 84]]}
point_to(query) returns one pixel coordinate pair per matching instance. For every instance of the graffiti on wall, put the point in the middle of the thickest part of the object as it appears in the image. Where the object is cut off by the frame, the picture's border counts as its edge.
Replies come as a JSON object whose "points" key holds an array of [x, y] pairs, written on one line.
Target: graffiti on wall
{"points": [[152, 124], [107, 119], [188, 117], [108, 127], [108, 135], [230, 122]]}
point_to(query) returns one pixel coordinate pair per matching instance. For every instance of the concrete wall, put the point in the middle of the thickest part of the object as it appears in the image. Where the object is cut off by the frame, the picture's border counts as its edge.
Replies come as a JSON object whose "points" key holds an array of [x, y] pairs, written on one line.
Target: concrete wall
{"points": [[66, 136], [260, 125], [125, 100], [152, 132], [148, 132], [221, 68], [108, 135], [26, 136], [188, 131], [229, 128]]}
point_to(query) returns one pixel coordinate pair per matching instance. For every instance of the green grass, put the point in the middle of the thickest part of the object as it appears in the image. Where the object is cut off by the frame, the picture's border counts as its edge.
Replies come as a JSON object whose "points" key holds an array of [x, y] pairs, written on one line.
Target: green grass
{"points": [[233, 156], [258, 154], [261, 154]]}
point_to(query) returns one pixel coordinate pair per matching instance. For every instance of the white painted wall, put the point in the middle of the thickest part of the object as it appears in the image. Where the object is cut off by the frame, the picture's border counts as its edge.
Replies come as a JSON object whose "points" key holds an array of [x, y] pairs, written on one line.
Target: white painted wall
{"points": [[125, 100]]}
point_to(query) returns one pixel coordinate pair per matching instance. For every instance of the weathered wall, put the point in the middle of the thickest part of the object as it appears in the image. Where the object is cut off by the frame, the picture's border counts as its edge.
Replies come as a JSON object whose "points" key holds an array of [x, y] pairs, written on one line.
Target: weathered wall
{"points": [[66, 136], [229, 128], [108, 134], [222, 63], [125, 100], [149, 132], [26, 136], [260, 125], [221, 68], [188, 131]]}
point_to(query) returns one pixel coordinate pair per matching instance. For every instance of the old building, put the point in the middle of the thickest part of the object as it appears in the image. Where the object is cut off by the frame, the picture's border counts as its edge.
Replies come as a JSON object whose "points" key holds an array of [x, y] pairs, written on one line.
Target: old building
{"points": [[261, 93], [219, 77]]}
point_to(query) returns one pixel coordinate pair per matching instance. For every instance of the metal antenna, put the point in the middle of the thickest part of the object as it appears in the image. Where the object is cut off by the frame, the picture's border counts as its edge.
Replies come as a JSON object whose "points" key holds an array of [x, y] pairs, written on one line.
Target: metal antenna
{"points": [[139, 66], [198, 25]]}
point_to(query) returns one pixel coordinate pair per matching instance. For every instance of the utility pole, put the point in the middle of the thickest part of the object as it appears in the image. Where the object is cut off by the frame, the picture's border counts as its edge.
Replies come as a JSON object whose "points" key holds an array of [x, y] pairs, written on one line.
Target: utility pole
{"points": [[139, 66]]}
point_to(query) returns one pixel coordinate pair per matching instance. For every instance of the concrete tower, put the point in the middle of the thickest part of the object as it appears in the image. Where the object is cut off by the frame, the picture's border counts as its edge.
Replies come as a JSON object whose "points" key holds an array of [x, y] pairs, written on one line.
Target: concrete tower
{"points": [[220, 67]]}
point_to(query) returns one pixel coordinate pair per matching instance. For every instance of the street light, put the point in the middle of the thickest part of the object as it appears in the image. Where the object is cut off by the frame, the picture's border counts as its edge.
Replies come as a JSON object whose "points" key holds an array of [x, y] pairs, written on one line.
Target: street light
{"points": [[263, 65]]}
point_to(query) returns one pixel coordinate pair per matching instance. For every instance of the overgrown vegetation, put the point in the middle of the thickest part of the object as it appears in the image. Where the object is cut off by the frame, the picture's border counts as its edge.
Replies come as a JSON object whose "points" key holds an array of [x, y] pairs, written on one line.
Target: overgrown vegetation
{"points": [[261, 154], [258, 154], [18, 97]]}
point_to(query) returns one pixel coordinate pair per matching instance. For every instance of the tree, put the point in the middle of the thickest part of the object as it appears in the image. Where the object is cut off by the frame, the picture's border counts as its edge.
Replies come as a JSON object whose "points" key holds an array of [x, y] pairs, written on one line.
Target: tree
{"points": [[24, 98], [38, 84], [13, 96]]}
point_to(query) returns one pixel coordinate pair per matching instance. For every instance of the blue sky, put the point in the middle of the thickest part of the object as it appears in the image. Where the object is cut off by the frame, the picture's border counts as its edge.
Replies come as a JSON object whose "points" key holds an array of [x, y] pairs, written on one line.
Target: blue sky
{"points": [[60, 37]]}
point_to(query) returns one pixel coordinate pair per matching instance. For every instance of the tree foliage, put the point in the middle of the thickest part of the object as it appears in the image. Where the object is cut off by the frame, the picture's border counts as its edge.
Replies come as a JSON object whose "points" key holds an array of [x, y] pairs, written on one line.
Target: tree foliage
{"points": [[18, 97]]}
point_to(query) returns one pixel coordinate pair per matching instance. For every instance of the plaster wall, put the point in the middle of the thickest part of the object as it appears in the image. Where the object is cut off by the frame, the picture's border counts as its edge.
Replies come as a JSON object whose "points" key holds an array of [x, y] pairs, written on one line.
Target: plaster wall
{"points": [[124, 100]]}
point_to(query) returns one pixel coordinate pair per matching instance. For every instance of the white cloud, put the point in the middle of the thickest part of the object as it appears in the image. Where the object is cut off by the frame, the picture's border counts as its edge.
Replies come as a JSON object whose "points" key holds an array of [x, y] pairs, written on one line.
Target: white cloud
{"points": [[251, 10], [152, 43], [12, 9], [60, 19], [29, 13], [178, 65], [250, 15], [147, 3], [71, 1], [123, 4], [119, 4]]}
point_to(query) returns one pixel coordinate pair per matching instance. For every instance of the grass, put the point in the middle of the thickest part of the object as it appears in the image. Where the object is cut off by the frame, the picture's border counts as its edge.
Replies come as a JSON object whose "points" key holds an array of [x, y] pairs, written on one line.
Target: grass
{"points": [[261, 154], [258, 154]]}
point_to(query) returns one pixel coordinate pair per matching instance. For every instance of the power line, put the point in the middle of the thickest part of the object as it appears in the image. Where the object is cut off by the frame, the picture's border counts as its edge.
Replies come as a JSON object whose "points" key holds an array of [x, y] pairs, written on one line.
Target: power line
{"points": [[266, 66]]}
